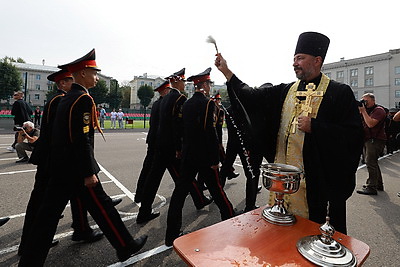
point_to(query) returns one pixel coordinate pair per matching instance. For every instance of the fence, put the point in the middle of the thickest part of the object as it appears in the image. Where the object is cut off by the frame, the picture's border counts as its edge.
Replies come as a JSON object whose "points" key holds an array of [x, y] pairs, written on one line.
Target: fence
{"points": [[130, 115]]}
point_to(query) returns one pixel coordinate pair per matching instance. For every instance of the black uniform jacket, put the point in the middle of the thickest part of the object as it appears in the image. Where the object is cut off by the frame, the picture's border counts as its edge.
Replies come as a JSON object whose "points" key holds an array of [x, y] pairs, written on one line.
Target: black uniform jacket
{"points": [[170, 130], [22, 112], [154, 121], [200, 141], [331, 152], [42, 145], [73, 133]]}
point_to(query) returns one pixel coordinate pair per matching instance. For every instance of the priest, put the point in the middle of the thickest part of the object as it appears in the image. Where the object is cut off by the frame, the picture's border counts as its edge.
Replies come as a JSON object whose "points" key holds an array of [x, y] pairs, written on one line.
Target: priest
{"points": [[318, 130]]}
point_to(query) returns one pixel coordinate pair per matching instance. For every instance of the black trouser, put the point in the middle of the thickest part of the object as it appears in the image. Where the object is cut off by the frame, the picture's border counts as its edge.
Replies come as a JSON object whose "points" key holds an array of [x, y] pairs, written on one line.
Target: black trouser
{"points": [[78, 209], [161, 162], [15, 140], [148, 160], [337, 213], [182, 187], [59, 191], [252, 179], [35, 201], [255, 160]]}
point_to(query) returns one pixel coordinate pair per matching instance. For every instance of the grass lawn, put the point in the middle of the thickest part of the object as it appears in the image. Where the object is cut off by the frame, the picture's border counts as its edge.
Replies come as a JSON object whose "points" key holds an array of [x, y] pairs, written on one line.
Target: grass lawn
{"points": [[137, 124]]}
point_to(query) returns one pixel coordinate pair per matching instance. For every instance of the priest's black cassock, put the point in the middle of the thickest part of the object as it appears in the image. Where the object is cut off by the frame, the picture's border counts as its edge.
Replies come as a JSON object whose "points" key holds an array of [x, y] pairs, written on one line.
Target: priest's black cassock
{"points": [[331, 152]]}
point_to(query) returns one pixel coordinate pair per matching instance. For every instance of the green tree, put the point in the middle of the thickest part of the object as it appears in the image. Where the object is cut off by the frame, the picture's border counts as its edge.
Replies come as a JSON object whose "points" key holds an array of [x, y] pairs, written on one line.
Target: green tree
{"points": [[126, 96], [145, 94], [115, 95], [10, 79], [99, 92], [11, 59]]}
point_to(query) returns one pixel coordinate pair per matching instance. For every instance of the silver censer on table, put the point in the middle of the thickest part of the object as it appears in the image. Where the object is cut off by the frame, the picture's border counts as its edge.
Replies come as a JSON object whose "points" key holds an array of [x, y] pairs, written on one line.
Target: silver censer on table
{"points": [[281, 179], [323, 250]]}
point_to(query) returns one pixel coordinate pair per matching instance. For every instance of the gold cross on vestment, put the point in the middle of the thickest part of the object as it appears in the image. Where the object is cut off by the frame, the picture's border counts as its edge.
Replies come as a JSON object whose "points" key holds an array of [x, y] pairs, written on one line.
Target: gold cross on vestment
{"points": [[306, 108]]}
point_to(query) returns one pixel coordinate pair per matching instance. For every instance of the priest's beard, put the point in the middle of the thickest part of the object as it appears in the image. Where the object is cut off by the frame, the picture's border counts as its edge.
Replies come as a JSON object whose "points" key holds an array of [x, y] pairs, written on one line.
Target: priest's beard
{"points": [[303, 75]]}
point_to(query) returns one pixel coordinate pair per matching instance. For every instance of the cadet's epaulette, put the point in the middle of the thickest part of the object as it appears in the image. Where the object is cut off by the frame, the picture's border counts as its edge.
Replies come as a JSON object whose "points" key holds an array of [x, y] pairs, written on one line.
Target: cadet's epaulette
{"points": [[181, 96], [205, 117], [51, 102], [87, 117]]}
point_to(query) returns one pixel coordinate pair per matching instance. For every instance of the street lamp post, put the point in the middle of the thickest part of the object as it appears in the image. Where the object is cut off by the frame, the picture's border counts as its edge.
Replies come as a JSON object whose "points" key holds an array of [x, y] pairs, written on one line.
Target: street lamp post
{"points": [[26, 85]]}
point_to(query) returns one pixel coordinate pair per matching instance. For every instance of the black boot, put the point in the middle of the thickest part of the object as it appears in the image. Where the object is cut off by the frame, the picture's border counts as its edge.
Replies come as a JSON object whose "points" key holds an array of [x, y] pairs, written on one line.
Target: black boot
{"points": [[124, 253]]}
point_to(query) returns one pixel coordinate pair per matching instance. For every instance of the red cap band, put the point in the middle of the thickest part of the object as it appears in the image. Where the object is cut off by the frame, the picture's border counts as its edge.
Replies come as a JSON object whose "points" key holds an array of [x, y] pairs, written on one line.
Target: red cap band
{"points": [[201, 79], [62, 76], [82, 65]]}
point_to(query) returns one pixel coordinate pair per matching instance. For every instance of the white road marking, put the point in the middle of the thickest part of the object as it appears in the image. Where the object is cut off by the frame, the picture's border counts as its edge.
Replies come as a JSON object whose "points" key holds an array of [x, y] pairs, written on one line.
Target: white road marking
{"points": [[14, 172], [9, 159], [118, 183], [141, 256]]}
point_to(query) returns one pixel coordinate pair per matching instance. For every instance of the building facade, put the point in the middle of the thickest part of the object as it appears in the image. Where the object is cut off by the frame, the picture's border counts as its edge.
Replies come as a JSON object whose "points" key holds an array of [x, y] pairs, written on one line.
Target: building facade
{"points": [[378, 74], [138, 81], [35, 84]]}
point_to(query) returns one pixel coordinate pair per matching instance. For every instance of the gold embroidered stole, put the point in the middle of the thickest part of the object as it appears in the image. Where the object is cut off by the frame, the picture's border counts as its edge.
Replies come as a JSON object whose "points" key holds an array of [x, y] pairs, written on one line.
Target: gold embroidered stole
{"points": [[289, 148]]}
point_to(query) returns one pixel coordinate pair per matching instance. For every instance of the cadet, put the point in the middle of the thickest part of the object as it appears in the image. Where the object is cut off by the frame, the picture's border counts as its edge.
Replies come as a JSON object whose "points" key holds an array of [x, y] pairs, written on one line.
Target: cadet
{"points": [[199, 156], [40, 157], [168, 150], [74, 171], [150, 140]]}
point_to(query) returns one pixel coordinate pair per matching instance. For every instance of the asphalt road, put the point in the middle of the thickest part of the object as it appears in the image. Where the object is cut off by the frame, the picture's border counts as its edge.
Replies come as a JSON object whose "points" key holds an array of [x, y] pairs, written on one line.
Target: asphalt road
{"points": [[374, 220]]}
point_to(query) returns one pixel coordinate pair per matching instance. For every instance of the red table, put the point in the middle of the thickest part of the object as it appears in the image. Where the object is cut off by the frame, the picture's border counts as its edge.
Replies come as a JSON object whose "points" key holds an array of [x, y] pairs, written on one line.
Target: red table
{"points": [[249, 240]]}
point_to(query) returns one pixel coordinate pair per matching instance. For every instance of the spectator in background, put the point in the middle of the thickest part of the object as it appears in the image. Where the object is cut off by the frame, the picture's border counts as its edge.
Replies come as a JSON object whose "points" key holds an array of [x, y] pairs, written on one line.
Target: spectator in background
{"points": [[22, 112], [37, 114], [374, 142], [27, 136], [120, 117], [113, 118], [102, 116]]}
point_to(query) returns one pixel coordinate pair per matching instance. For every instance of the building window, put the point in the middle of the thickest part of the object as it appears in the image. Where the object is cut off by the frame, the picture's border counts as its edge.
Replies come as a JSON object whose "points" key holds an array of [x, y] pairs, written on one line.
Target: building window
{"points": [[369, 82], [397, 70], [356, 95], [369, 70], [37, 96], [354, 83], [141, 83], [397, 81], [397, 94], [354, 72], [151, 84], [339, 74], [328, 74], [37, 76], [37, 86]]}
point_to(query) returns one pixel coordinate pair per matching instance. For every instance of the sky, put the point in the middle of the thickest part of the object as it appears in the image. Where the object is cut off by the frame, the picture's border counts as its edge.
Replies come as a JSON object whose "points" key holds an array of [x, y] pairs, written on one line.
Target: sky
{"points": [[159, 37]]}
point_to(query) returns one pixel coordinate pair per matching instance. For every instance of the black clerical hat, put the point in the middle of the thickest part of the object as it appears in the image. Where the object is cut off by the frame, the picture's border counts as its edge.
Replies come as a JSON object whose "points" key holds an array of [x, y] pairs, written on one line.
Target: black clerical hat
{"points": [[201, 77], [59, 75], [87, 61], [179, 75], [312, 43], [163, 86]]}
